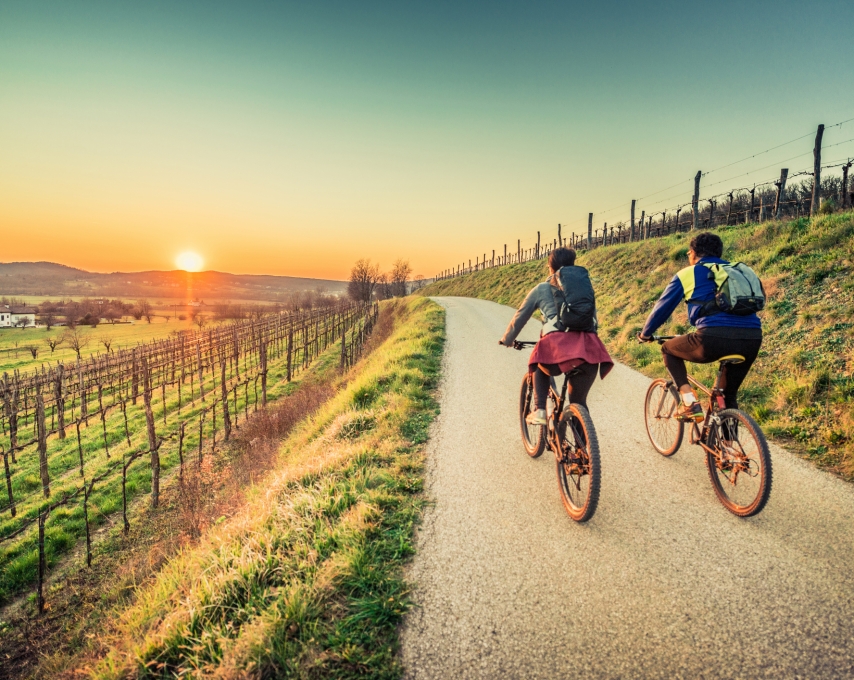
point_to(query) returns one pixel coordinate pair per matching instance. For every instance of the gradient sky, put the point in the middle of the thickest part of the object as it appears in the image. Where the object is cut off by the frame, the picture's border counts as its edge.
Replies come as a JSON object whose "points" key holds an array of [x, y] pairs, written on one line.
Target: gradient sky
{"points": [[291, 139]]}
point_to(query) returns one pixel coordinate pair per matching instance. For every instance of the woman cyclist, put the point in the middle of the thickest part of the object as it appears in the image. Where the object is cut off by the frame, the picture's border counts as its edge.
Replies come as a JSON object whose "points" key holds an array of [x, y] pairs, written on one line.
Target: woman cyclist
{"points": [[558, 351]]}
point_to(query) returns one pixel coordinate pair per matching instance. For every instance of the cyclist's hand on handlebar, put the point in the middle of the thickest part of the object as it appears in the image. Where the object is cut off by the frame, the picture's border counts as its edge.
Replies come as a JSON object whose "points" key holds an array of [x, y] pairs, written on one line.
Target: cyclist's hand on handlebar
{"points": [[642, 338]]}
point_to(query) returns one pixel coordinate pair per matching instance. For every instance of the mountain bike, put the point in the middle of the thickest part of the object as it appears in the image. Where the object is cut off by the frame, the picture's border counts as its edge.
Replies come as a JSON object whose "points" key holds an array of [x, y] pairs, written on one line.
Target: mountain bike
{"points": [[737, 455], [571, 437]]}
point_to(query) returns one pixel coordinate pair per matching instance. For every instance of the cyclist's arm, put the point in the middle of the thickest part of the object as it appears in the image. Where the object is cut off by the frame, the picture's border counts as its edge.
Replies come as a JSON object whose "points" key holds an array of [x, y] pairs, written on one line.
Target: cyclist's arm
{"points": [[523, 314], [666, 305]]}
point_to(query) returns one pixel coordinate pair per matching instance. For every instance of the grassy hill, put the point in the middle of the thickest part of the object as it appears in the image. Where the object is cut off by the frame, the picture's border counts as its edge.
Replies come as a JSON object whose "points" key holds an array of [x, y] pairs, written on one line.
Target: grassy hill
{"points": [[801, 388], [57, 280]]}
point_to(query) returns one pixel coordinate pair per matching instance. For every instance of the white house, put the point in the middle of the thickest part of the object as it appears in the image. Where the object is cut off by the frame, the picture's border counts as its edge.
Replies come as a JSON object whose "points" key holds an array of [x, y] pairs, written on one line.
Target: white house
{"points": [[11, 317]]}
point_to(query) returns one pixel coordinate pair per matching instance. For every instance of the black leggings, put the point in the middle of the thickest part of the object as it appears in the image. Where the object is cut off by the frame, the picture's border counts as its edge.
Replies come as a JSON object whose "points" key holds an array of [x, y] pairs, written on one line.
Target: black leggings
{"points": [[704, 349], [580, 383]]}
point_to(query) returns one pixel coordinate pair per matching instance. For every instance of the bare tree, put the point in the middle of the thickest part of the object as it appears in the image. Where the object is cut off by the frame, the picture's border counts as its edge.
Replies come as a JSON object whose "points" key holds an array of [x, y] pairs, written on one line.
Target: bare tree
{"points": [[33, 350], [400, 273], [48, 320], [76, 340], [383, 289], [22, 322], [110, 314], [363, 280], [53, 341], [199, 320], [145, 309], [106, 341]]}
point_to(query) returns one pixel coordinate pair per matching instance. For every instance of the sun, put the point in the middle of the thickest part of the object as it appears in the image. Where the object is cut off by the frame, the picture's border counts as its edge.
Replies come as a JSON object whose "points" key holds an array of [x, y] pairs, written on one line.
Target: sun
{"points": [[189, 262]]}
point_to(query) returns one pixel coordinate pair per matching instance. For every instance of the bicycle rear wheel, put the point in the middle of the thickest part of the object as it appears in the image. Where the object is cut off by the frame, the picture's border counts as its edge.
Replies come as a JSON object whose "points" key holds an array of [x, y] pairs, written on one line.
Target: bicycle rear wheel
{"points": [[533, 436], [578, 465], [665, 430], [740, 467]]}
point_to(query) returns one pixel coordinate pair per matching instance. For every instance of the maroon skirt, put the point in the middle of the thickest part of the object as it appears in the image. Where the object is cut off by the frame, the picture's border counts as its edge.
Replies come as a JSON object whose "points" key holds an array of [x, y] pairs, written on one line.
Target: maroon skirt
{"points": [[571, 349]]}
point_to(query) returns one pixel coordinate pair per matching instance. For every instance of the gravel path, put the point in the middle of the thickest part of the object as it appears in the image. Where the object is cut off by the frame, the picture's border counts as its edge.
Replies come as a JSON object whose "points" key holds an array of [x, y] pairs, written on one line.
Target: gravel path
{"points": [[662, 582]]}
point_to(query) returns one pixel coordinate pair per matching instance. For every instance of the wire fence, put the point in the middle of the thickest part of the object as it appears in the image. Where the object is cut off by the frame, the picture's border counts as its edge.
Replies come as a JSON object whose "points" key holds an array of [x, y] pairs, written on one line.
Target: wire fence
{"points": [[775, 197]]}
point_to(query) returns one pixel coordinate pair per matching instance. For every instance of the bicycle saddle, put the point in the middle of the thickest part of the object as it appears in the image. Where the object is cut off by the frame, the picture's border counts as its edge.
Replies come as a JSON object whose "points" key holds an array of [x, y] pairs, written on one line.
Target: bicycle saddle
{"points": [[731, 359]]}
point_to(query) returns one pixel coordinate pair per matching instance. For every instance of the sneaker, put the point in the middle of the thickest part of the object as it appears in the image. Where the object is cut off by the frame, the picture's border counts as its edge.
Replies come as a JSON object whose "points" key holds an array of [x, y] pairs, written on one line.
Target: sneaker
{"points": [[693, 412], [537, 417]]}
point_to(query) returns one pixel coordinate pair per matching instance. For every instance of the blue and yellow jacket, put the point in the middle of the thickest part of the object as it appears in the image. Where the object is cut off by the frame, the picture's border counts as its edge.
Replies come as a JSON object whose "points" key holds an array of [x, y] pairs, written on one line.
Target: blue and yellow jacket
{"points": [[695, 285]]}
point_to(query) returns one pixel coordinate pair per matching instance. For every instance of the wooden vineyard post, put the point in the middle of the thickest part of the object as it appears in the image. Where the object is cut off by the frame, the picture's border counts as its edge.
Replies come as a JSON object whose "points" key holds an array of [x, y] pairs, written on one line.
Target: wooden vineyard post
{"points": [[201, 370], [781, 193], [79, 446], [503, 261], [845, 201], [290, 351], [343, 346], [134, 380], [84, 407], [518, 251], [676, 223], [87, 489], [538, 246], [632, 223], [590, 231], [59, 401], [152, 434], [12, 508], [181, 450], [712, 205], [752, 204], [42, 518], [644, 225], [263, 353], [226, 416], [816, 187], [42, 445], [695, 202]]}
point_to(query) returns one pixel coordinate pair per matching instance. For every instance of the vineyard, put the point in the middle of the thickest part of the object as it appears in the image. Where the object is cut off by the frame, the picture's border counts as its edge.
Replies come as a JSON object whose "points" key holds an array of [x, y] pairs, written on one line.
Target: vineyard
{"points": [[80, 441]]}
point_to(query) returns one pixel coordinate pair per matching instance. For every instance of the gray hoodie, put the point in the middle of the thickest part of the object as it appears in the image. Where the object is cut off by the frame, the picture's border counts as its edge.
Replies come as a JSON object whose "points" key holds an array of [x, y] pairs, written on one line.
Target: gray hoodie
{"points": [[541, 297]]}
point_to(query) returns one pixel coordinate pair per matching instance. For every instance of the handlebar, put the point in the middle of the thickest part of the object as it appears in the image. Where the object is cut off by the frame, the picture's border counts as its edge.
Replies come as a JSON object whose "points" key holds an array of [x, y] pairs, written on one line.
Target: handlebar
{"points": [[660, 339], [522, 344]]}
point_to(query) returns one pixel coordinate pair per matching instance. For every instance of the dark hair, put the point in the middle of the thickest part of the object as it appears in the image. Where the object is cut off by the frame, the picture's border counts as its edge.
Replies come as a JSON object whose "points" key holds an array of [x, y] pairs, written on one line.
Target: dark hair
{"points": [[707, 245], [561, 257]]}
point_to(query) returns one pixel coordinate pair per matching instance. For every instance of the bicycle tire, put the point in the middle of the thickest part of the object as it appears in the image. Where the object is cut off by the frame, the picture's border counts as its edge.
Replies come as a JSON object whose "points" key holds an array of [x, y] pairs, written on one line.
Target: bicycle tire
{"points": [[760, 452], [665, 432], [533, 436], [567, 480]]}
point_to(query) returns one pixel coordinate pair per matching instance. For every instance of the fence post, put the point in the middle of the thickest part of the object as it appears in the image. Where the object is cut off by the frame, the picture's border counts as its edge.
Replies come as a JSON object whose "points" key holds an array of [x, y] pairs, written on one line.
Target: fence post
{"points": [[42, 518], [589, 231], [505, 254], [695, 201], [42, 445], [729, 210], [644, 226], [816, 187], [712, 204], [632, 229], [12, 508], [152, 434], [752, 204], [263, 352], [226, 416], [559, 240], [538, 246], [846, 199], [781, 193], [59, 401]]}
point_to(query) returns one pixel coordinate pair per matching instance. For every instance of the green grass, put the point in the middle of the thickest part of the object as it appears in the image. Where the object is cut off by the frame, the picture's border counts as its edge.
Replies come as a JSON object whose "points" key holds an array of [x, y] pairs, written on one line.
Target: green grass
{"points": [[121, 334], [306, 580], [66, 526], [801, 388]]}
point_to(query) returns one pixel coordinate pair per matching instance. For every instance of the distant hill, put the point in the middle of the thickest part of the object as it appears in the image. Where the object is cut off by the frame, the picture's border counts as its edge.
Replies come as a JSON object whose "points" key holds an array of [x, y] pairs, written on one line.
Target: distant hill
{"points": [[51, 279]]}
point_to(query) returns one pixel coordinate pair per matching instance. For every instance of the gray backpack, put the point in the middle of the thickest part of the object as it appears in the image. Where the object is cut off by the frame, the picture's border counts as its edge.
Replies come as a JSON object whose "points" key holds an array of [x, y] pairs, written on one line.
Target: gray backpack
{"points": [[739, 290], [575, 299]]}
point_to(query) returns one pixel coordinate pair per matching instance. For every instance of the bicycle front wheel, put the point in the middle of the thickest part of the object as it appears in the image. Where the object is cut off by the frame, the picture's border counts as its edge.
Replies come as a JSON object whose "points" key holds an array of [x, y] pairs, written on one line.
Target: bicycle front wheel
{"points": [[665, 430], [533, 436], [578, 466], [739, 463]]}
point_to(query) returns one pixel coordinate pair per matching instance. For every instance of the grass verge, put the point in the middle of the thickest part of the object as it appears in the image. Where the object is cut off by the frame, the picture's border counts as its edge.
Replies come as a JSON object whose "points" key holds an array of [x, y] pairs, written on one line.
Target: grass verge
{"points": [[801, 388], [305, 580]]}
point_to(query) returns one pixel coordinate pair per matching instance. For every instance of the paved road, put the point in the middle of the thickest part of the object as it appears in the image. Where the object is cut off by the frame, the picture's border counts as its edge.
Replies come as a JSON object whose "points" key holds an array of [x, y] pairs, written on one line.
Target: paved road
{"points": [[662, 582]]}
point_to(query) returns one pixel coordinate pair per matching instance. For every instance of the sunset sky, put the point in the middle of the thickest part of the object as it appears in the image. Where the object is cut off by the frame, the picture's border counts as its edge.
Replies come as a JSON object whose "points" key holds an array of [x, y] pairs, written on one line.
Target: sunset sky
{"points": [[293, 138]]}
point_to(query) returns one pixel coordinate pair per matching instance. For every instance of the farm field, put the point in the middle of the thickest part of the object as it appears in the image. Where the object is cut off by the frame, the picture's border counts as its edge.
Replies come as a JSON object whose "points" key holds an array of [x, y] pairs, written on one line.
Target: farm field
{"points": [[15, 342], [113, 435]]}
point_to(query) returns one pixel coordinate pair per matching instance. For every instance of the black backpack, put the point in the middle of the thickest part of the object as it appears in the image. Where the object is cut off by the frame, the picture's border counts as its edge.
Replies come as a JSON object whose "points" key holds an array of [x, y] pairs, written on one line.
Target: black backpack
{"points": [[575, 300]]}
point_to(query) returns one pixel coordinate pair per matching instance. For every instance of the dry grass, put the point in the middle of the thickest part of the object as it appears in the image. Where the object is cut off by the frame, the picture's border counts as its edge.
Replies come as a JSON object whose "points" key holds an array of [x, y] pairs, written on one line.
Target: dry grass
{"points": [[305, 581]]}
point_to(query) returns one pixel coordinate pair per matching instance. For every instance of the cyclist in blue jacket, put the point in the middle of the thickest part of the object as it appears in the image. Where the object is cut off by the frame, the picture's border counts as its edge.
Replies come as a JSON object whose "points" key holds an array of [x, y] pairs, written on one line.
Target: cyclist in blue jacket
{"points": [[718, 333]]}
